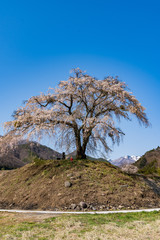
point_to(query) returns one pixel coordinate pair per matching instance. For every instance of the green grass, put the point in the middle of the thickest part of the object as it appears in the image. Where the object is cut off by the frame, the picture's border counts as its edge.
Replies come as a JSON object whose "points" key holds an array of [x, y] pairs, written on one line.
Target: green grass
{"points": [[150, 168], [79, 226], [51, 167], [118, 218]]}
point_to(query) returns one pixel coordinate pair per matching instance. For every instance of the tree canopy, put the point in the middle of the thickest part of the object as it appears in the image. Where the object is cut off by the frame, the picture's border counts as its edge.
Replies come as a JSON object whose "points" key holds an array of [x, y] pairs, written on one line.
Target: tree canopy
{"points": [[81, 113]]}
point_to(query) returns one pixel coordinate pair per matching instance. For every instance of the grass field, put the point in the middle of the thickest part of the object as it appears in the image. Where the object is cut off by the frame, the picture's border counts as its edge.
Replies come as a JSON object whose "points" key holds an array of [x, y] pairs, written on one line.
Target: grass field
{"points": [[74, 227]]}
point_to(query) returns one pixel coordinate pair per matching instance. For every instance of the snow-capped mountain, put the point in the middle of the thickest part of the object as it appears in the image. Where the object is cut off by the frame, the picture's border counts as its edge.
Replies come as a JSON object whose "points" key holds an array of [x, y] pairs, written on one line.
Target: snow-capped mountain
{"points": [[124, 160]]}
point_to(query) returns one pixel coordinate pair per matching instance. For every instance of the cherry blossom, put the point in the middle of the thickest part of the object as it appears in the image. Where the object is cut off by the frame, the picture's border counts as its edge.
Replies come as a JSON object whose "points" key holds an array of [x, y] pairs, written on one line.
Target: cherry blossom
{"points": [[81, 113]]}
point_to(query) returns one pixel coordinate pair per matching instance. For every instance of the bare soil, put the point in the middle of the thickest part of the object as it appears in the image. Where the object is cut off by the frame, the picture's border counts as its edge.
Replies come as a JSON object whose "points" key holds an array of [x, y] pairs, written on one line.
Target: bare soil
{"points": [[102, 186]]}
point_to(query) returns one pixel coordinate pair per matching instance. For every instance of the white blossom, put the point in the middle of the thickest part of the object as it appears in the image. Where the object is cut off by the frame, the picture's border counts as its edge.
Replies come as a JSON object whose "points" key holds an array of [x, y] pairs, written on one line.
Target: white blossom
{"points": [[80, 112]]}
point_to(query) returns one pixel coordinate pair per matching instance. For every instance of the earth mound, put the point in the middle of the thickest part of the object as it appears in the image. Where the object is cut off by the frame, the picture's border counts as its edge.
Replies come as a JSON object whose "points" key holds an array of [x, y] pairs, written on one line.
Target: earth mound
{"points": [[76, 185]]}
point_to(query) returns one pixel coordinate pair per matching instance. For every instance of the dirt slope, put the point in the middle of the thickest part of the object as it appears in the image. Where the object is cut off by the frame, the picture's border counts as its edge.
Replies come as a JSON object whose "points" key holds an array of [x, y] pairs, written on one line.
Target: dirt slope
{"points": [[41, 185]]}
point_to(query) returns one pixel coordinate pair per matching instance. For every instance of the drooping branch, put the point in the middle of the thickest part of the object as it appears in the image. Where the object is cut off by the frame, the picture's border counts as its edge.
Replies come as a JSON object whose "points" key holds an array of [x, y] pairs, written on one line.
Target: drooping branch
{"points": [[83, 109]]}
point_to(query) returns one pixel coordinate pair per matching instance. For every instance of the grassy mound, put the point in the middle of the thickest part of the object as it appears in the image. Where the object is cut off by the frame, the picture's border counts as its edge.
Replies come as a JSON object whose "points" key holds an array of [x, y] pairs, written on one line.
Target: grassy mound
{"points": [[102, 186], [149, 163]]}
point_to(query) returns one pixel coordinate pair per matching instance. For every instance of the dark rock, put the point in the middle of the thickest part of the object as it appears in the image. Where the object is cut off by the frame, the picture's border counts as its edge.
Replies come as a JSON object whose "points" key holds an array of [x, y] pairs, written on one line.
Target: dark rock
{"points": [[83, 205]]}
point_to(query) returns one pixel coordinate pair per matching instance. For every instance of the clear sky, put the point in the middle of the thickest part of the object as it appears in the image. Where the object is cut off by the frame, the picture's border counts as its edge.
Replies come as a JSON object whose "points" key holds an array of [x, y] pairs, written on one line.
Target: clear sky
{"points": [[40, 41]]}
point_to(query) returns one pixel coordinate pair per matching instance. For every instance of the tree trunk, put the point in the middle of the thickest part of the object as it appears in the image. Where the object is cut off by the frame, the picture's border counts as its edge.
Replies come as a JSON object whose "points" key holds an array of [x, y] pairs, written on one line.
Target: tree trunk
{"points": [[85, 142], [80, 149], [80, 154]]}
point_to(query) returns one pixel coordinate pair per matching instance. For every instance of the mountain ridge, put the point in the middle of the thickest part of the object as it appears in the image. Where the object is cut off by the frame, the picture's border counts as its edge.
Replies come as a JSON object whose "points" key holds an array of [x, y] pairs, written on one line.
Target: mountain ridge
{"points": [[120, 162], [24, 153]]}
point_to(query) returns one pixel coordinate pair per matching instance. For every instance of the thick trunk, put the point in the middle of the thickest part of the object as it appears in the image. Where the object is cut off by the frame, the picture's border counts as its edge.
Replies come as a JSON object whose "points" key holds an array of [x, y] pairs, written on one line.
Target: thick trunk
{"points": [[80, 151], [80, 154], [85, 141]]}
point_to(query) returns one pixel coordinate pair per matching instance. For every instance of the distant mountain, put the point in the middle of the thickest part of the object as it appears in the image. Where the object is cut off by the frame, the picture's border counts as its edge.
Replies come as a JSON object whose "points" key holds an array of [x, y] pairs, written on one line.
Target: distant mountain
{"points": [[24, 153], [124, 160], [150, 162]]}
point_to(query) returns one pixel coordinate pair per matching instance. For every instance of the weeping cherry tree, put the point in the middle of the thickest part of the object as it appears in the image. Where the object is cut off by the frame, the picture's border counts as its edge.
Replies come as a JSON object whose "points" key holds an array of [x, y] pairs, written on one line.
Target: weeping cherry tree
{"points": [[81, 113]]}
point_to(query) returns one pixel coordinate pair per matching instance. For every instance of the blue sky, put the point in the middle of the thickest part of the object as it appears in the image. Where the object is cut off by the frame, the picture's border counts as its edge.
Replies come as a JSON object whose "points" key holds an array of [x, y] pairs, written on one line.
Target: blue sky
{"points": [[40, 41]]}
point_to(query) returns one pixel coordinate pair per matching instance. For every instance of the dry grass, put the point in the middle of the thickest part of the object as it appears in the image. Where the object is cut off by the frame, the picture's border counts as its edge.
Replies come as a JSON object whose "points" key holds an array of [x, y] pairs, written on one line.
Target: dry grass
{"points": [[35, 185], [89, 227]]}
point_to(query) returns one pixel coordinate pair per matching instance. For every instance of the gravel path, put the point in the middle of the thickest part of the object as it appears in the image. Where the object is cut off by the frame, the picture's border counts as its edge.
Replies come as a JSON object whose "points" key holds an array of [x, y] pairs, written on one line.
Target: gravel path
{"points": [[91, 212]]}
